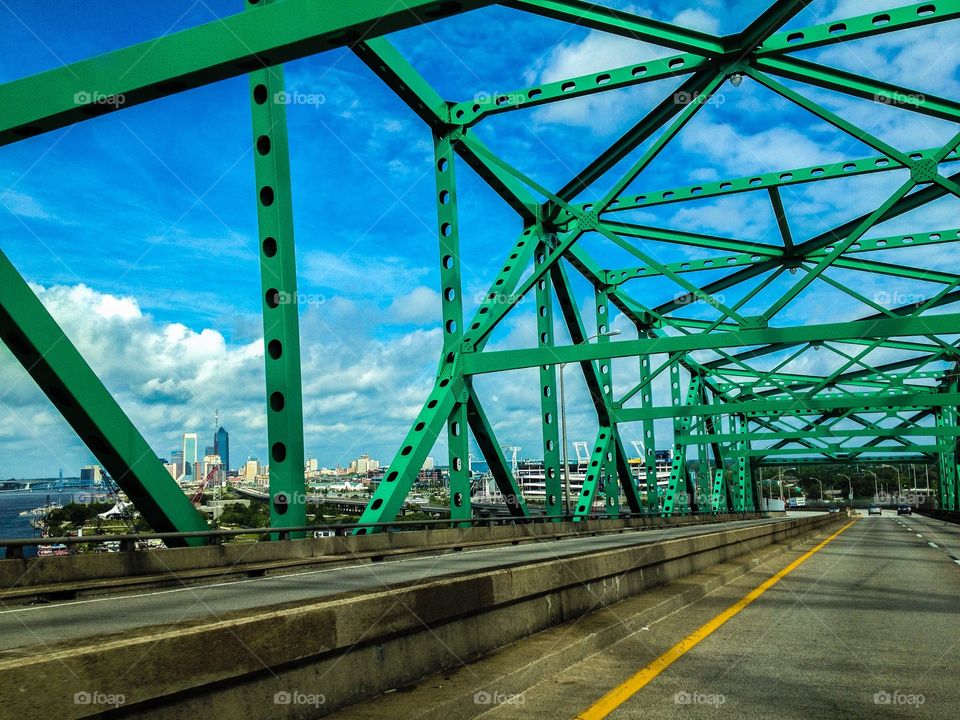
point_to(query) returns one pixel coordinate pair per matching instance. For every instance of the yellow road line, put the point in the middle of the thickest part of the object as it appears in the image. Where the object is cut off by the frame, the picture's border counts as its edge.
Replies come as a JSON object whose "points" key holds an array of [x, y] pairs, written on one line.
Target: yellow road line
{"points": [[620, 694]]}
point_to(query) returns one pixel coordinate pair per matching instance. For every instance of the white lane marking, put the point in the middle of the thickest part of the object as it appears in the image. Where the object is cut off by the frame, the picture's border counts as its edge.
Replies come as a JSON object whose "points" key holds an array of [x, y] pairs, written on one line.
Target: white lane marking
{"points": [[933, 545]]}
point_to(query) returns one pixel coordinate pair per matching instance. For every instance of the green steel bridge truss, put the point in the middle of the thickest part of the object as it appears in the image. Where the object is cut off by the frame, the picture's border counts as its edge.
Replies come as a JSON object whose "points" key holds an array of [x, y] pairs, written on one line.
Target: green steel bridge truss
{"points": [[891, 393]]}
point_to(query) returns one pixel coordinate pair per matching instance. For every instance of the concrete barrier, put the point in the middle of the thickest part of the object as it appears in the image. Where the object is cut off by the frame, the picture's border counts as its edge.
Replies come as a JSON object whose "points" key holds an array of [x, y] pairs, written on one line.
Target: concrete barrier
{"points": [[951, 516], [305, 660], [92, 573]]}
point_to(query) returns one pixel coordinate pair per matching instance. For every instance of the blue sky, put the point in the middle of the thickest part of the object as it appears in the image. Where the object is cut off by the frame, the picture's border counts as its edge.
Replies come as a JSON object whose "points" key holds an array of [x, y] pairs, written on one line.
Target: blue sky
{"points": [[138, 229]]}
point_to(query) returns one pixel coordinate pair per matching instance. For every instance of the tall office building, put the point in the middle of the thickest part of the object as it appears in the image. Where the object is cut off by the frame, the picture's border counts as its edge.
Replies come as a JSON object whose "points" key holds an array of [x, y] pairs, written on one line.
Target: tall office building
{"points": [[189, 453], [90, 473], [221, 447], [176, 459]]}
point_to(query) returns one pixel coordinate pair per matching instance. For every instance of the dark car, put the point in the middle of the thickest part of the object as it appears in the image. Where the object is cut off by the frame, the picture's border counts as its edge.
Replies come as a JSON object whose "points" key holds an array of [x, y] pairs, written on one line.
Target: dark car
{"points": [[874, 510], [904, 510]]}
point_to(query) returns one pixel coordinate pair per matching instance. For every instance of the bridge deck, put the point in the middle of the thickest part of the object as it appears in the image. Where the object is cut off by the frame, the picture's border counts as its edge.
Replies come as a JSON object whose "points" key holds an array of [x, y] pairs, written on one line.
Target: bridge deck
{"points": [[863, 628], [38, 625]]}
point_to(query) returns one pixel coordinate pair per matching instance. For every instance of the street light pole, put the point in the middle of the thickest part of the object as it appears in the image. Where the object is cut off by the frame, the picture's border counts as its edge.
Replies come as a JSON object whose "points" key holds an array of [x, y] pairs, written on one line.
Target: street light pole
{"points": [[849, 487], [876, 490], [899, 486], [563, 424]]}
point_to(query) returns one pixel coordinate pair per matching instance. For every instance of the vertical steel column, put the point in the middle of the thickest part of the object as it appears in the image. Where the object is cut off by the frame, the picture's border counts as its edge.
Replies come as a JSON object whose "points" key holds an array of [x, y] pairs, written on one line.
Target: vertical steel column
{"points": [[649, 435], [953, 443], [704, 480], [611, 489], [948, 459], [681, 489], [448, 232], [741, 475], [718, 498], [595, 469], [278, 277], [750, 501], [548, 390]]}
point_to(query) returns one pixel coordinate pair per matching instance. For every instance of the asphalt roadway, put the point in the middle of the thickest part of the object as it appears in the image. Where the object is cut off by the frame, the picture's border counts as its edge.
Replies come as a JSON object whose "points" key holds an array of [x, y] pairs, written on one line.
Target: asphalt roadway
{"points": [[37, 626], [866, 627]]}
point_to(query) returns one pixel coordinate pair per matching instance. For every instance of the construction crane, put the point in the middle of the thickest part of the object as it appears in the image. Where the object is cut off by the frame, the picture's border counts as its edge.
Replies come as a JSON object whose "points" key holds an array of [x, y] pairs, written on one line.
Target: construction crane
{"points": [[197, 498]]}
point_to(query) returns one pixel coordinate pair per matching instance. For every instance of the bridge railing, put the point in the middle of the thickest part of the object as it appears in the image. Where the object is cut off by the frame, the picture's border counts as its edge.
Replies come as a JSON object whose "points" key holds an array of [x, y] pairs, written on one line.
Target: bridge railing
{"points": [[129, 541]]}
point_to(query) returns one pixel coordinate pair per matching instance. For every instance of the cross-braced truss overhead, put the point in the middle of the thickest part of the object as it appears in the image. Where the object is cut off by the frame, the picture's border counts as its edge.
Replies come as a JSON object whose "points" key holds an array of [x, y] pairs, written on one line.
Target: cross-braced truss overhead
{"points": [[723, 323]]}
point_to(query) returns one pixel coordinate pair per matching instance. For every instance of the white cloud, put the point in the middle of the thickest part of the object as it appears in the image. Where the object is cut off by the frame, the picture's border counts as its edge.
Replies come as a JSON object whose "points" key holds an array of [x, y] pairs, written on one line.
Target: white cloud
{"points": [[698, 19], [360, 391], [347, 271], [604, 112], [421, 305], [23, 205]]}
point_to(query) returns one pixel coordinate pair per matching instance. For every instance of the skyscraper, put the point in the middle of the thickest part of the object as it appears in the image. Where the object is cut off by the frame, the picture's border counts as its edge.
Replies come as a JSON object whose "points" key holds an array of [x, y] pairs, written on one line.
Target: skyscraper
{"points": [[189, 453], [221, 447]]}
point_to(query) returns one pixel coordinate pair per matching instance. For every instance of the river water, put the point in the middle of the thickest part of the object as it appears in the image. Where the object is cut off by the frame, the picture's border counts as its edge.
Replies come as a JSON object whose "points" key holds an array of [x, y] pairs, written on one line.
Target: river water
{"points": [[13, 502]]}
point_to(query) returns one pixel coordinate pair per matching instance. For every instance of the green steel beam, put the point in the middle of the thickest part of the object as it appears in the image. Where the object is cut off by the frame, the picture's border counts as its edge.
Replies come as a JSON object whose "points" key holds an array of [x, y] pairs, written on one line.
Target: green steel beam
{"points": [[399, 477], [875, 460], [680, 489], [649, 432], [946, 418], [717, 496], [832, 433], [692, 87], [487, 362], [782, 380], [578, 335], [598, 379], [617, 22], [280, 311], [813, 406], [764, 181], [859, 86], [741, 494], [401, 77], [839, 453], [869, 25], [487, 442], [771, 399], [47, 354], [766, 24], [265, 36], [549, 412], [594, 472], [451, 323], [473, 111]]}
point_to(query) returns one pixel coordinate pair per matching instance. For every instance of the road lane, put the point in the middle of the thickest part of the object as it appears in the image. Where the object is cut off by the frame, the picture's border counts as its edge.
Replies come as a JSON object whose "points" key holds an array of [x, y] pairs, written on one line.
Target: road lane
{"points": [[867, 627]]}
